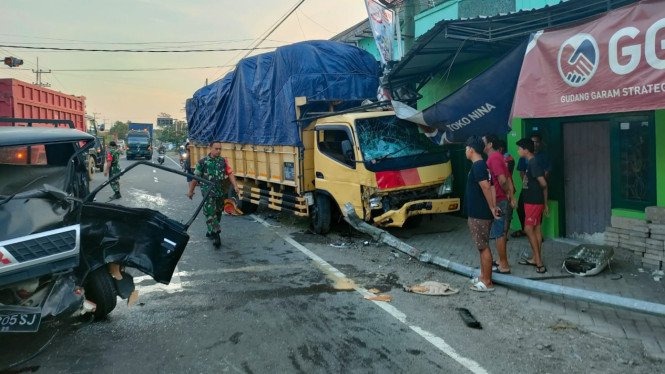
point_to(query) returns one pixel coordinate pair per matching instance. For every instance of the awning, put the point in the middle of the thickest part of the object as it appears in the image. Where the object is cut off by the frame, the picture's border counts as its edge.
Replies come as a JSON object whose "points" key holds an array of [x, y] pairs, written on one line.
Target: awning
{"points": [[479, 107], [456, 42]]}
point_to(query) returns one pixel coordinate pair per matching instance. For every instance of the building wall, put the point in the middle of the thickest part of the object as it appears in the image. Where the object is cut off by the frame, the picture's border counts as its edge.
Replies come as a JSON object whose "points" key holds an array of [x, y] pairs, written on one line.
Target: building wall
{"points": [[476, 8], [535, 4]]}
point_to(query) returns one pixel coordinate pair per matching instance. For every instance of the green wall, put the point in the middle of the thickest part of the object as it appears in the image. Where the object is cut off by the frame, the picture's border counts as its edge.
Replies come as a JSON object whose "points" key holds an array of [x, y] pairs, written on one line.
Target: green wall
{"points": [[427, 19], [660, 157], [534, 4]]}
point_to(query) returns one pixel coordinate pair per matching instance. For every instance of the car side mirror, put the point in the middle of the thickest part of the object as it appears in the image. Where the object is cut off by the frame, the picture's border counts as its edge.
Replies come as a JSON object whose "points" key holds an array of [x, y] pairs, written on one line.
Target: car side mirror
{"points": [[347, 150]]}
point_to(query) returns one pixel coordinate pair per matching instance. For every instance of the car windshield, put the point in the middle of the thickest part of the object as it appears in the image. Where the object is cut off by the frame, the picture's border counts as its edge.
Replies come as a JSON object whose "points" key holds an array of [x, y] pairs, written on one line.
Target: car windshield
{"points": [[391, 137], [138, 139]]}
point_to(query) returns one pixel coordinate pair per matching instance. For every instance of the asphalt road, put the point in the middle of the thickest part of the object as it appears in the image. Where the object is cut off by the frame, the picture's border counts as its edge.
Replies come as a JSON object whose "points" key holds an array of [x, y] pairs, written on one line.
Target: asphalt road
{"points": [[278, 299]]}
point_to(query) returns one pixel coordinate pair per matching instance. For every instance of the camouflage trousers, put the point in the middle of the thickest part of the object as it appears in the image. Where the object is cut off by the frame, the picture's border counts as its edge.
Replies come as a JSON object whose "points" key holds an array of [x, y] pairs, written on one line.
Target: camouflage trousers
{"points": [[115, 185], [212, 210]]}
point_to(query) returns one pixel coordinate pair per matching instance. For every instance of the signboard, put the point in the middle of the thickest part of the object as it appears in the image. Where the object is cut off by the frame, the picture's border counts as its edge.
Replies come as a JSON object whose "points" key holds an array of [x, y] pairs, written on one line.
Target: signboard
{"points": [[615, 63], [480, 106], [381, 21]]}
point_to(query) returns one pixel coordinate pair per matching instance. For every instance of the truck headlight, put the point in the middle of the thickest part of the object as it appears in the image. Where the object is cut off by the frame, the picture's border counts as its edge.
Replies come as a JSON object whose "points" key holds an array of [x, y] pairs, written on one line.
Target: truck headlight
{"points": [[375, 203], [447, 186]]}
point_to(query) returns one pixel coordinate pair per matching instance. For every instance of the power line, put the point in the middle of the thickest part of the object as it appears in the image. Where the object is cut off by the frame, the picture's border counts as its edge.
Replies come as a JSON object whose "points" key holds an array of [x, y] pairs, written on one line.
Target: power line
{"points": [[146, 69], [136, 50]]}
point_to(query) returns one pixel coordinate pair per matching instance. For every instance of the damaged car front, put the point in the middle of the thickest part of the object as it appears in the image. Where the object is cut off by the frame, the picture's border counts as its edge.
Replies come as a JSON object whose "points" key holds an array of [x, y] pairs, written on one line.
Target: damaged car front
{"points": [[61, 253]]}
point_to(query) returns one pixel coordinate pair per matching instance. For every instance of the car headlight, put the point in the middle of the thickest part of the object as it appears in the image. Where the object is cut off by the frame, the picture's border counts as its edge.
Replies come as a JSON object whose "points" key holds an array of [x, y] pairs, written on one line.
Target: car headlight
{"points": [[375, 203], [447, 186]]}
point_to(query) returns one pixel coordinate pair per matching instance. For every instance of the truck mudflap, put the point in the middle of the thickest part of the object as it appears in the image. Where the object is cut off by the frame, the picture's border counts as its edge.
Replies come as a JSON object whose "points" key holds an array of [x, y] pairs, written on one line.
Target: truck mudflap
{"points": [[397, 217]]}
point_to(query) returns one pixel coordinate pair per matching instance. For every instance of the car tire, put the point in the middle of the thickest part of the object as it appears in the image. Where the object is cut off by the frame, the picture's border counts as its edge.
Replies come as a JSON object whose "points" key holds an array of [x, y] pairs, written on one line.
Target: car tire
{"points": [[321, 214], [99, 289], [91, 168]]}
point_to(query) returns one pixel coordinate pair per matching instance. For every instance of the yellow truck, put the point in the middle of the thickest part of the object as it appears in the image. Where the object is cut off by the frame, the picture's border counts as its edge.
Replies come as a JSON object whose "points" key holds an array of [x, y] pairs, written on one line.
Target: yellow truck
{"points": [[311, 164]]}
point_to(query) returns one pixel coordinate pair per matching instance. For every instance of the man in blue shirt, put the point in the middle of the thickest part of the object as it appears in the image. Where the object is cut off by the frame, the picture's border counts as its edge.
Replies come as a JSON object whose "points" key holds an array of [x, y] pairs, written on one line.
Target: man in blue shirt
{"points": [[544, 162]]}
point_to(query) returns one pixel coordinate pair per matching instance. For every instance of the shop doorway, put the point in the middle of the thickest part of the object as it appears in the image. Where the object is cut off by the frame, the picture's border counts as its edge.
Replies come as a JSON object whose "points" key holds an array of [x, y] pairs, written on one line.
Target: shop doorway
{"points": [[587, 182]]}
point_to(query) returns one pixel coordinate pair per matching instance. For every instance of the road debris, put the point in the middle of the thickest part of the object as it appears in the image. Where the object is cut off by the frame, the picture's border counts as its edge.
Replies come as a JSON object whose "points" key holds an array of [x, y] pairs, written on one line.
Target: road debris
{"points": [[386, 298], [469, 319], [432, 288]]}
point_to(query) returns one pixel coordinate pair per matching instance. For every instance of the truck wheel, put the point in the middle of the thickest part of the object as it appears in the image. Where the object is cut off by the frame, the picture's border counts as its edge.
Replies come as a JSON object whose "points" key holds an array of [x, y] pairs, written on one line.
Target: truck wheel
{"points": [[247, 207], [99, 289], [91, 167], [321, 215]]}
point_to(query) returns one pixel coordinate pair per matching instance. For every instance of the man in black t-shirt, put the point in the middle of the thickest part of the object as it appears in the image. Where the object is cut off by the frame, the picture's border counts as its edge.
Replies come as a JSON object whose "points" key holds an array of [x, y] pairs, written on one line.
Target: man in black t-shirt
{"points": [[534, 193], [480, 208]]}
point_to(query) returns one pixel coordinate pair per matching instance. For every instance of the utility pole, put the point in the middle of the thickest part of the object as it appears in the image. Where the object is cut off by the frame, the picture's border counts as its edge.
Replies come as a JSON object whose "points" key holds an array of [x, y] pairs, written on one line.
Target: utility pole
{"points": [[39, 76]]}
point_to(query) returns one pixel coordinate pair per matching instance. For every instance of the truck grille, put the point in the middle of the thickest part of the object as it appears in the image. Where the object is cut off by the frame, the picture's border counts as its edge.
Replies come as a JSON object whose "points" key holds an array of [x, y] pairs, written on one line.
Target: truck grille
{"points": [[50, 245], [50, 250]]}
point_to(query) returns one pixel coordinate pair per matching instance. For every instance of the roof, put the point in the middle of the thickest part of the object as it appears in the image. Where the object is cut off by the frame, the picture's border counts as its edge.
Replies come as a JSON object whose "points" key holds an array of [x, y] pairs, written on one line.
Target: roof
{"points": [[456, 42], [21, 135]]}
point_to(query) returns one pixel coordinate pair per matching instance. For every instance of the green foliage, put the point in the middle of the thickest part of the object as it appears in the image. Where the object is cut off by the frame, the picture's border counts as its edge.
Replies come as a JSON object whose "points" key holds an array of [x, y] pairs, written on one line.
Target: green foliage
{"points": [[176, 134], [121, 128]]}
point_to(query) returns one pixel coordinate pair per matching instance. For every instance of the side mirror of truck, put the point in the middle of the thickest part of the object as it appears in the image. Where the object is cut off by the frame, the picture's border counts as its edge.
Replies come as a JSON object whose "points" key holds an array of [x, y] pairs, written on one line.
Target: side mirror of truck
{"points": [[347, 151]]}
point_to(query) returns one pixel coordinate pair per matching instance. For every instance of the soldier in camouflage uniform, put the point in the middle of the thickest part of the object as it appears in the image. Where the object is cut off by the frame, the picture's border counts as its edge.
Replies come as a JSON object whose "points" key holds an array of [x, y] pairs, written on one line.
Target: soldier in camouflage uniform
{"points": [[112, 165], [214, 168]]}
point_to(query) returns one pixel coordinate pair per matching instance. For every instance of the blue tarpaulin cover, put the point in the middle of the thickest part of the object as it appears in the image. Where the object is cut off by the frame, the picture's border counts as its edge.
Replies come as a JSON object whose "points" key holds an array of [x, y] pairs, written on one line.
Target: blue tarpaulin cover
{"points": [[255, 104]]}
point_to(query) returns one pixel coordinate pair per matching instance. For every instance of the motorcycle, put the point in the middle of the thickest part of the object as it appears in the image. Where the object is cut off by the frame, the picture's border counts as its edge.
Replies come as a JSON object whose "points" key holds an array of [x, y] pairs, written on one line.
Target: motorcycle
{"points": [[161, 156], [184, 160]]}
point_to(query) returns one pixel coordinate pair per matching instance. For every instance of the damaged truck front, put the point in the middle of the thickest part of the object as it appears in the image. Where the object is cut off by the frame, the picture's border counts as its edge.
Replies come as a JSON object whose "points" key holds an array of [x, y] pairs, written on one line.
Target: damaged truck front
{"points": [[61, 253], [292, 129]]}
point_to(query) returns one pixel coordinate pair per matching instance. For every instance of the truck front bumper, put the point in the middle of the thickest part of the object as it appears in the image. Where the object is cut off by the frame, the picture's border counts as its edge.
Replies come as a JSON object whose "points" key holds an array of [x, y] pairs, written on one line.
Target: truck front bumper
{"points": [[397, 217]]}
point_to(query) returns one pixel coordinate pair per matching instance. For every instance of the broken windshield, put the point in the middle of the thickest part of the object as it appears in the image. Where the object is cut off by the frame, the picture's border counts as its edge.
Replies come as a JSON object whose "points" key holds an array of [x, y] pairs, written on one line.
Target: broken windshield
{"points": [[390, 137]]}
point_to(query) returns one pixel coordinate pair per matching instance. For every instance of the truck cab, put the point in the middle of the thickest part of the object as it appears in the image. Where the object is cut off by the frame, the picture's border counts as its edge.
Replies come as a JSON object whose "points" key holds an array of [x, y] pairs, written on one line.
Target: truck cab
{"points": [[139, 145], [385, 167]]}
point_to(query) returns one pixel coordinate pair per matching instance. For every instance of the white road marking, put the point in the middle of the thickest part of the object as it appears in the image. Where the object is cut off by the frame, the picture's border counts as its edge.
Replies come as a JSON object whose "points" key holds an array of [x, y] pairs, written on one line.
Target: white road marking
{"points": [[438, 342]]}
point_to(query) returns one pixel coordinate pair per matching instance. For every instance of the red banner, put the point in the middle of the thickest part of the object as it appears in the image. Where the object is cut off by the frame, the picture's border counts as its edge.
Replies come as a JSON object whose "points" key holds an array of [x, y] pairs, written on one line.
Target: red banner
{"points": [[615, 63]]}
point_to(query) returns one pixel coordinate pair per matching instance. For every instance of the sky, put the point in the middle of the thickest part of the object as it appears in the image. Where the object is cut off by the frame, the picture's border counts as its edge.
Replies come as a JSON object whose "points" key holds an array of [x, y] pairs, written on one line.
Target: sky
{"points": [[140, 96]]}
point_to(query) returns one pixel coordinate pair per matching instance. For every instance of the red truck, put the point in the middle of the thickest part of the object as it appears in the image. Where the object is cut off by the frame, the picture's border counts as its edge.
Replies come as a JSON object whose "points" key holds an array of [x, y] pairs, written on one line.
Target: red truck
{"points": [[24, 100]]}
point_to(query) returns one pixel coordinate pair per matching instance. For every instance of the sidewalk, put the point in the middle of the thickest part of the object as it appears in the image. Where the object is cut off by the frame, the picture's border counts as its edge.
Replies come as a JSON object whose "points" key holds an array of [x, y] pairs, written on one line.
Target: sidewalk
{"points": [[448, 236]]}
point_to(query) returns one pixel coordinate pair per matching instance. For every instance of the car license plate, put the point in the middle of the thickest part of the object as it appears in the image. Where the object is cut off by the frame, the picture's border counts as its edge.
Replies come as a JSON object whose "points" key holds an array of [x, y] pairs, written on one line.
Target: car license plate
{"points": [[17, 319]]}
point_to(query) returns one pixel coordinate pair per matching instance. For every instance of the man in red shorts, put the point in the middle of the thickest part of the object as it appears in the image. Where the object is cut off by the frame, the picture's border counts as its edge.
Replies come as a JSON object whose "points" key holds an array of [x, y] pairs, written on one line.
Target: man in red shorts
{"points": [[534, 190]]}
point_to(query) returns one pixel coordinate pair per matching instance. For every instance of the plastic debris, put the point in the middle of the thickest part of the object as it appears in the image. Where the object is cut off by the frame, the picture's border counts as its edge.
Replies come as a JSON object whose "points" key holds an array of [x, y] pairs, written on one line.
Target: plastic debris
{"points": [[432, 288], [386, 298], [374, 291]]}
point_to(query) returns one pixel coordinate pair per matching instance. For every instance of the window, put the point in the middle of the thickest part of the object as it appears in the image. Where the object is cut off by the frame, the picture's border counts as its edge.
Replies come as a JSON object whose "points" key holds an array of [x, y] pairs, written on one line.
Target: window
{"points": [[633, 162], [329, 141], [23, 155]]}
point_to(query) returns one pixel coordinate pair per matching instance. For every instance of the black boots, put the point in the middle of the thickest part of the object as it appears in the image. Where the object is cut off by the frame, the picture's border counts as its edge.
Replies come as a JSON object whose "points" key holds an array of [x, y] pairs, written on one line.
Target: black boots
{"points": [[116, 196], [216, 240]]}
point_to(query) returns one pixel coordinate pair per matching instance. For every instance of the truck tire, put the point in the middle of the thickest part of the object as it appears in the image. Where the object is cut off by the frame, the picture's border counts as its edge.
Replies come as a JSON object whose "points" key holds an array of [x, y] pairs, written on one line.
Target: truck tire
{"points": [[91, 167], [247, 207], [321, 214], [99, 289]]}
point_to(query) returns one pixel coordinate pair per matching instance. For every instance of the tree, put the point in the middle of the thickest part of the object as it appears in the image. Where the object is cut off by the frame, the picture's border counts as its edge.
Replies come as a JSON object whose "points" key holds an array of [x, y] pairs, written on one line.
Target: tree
{"points": [[120, 128]]}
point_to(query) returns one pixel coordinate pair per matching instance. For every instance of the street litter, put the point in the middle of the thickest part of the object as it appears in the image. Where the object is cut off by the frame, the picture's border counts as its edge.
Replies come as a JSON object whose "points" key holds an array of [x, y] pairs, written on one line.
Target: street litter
{"points": [[469, 319], [334, 245], [588, 259], [374, 291], [432, 288], [231, 207], [386, 298], [658, 275]]}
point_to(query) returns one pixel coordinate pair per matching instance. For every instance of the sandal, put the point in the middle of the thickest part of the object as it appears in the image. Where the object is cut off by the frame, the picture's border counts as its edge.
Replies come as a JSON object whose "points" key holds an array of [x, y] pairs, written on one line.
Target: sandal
{"points": [[524, 261], [518, 233], [481, 287], [541, 269]]}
